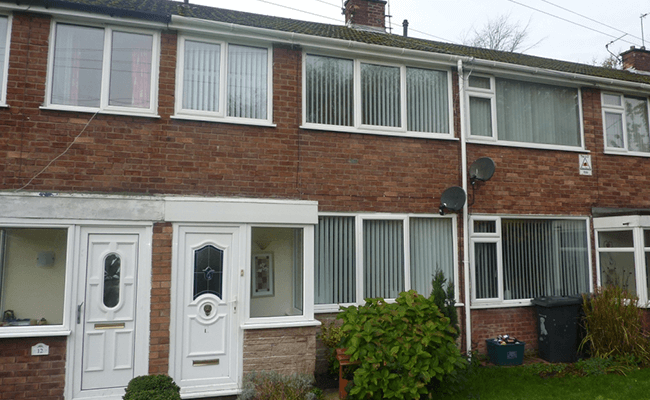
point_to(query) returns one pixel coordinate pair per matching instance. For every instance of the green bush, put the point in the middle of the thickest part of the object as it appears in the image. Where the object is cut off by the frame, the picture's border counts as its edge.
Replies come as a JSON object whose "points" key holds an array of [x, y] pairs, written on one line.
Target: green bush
{"points": [[275, 386], [152, 387], [442, 294], [404, 349], [331, 336], [614, 327]]}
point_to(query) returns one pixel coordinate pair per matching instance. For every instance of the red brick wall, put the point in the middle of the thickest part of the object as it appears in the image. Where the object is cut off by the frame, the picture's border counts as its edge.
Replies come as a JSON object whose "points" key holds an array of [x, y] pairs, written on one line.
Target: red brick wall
{"points": [[23, 376], [160, 299], [366, 12], [638, 59], [518, 322], [285, 350]]}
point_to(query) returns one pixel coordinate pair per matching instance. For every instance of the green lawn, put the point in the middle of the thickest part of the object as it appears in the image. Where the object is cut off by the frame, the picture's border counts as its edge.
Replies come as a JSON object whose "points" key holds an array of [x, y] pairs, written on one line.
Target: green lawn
{"points": [[512, 383]]}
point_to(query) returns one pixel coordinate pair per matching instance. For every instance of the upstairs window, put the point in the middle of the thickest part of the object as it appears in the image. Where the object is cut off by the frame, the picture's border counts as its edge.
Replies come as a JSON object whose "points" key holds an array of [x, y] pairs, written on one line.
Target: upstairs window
{"points": [[109, 69], [223, 82], [345, 94], [517, 112], [4, 51], [625, 120]]}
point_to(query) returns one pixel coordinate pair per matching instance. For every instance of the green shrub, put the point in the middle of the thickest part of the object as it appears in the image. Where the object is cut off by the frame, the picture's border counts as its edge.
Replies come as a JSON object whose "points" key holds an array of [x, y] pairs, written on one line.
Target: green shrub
{"points": [[275, 386], [152, 387], [404, 349], [442, 294], [331, 336], [614, 327]]}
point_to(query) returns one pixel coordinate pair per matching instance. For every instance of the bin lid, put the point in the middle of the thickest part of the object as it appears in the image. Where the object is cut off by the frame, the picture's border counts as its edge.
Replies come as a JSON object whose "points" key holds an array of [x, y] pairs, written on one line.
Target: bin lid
{"points": [[557, 301]]}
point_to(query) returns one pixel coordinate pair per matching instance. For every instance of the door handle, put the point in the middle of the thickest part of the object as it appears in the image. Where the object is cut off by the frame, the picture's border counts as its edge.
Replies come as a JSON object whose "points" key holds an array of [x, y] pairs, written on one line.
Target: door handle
{"points": [[79, 312]]}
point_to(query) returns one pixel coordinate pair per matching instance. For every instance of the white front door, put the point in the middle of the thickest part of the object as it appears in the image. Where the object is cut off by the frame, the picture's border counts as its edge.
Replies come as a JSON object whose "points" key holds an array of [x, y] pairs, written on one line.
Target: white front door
{"points": [[205, 343], [107, 337]]}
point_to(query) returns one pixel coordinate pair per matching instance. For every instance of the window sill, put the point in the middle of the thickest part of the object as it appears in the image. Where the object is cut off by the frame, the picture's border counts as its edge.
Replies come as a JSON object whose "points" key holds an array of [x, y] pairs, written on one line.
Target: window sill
{"points": [[126, 113], [32, 331], [280, 324], [502, 304], [626, 153], [234, 121], [528, 145], [353, 130]]}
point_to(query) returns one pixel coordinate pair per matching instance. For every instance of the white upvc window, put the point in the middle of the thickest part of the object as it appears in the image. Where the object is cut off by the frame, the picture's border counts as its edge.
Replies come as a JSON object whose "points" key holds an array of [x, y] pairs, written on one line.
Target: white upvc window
{"points": [[5, 40], [524, 113], [108, 69], [366, 256], [626, 124], [518, 259], [220, 81], [371, 97]]}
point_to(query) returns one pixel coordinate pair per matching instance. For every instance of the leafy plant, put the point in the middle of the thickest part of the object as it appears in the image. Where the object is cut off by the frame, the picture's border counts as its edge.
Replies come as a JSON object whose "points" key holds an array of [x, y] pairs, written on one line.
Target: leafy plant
{"points": [[614, 327], [404, 349], [331, 336], [275, 386], [442, 294], [152, 387]]}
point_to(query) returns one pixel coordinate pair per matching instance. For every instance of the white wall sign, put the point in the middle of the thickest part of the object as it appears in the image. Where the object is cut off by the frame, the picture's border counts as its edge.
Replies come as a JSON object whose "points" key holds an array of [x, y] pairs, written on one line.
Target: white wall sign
{"points": [[40, 349], [585, 164]]}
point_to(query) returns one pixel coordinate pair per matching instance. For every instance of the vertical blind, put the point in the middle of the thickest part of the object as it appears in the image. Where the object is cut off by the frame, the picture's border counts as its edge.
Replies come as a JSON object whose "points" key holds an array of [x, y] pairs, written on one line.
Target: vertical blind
{"points": [[480, 116], [536, 113], [329, 90], [201, 74], [636, 118], [432, 250], [380, 95], [427, 100], [334, 255], [247, 82], [383, 258], [3, 48], [486, 270]]}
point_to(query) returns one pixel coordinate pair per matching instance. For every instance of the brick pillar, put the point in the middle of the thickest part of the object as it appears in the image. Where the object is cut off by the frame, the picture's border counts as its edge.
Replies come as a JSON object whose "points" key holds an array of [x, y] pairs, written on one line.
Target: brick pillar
{"points": [[638, 59], [370, 13], [160, 298]]}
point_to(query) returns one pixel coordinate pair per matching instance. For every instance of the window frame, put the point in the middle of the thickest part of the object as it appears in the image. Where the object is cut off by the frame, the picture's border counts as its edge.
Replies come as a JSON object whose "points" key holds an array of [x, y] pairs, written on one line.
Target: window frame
{"points": [[4, 71], [358, 126], [620, 110], [359, 250], [63, 329], [104, 93], [491, 94], [222, 114], [497, 238]]}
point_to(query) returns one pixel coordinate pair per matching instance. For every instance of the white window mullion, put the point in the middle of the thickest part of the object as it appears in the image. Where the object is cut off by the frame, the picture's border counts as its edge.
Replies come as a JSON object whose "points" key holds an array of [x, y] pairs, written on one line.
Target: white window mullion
{"points": [[639, 265]]}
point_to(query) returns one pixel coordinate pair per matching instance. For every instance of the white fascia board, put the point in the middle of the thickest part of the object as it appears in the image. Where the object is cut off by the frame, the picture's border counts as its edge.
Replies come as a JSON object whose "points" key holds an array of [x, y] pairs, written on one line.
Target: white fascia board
{"points": [[622, 222], [240, 210], [46, 205]]}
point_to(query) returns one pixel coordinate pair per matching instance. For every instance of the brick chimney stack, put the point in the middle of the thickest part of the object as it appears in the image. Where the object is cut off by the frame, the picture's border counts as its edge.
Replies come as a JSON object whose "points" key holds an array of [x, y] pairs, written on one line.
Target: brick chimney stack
{"points": [[638, 59], [369, 14]]}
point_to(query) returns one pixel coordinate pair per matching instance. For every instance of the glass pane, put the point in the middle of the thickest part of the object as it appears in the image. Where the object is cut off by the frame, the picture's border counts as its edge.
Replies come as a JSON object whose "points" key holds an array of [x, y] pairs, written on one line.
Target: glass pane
{"points": [[247, 82], [334, 259], [636, 119], [485, 226], [427, 100], [646, 238], [614, 130], [77, 70], [616, 239], [329, 90], [480, 116], [277, 272], [612, 99], [536, 113], [617, 269], [432, 250], [33, 261], [130, 70], [112, 272], [479, 82], [380, 95], [485, 261], [208, 271], [201, 74], [383, 258], [3, 49]]}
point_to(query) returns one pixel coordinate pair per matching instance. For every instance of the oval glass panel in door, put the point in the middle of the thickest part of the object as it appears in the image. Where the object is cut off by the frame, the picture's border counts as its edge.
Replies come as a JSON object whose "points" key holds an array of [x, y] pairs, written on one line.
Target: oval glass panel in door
{"points": [[208, 271], [112, 264]]}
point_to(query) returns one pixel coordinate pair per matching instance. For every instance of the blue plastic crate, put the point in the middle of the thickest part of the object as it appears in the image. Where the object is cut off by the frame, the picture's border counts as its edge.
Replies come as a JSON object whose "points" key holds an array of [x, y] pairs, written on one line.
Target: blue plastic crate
{"points": [[505, 354]]}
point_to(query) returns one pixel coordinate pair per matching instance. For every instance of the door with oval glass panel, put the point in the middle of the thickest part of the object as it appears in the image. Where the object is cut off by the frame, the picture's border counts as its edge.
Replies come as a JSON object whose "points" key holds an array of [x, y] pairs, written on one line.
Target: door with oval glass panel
{"points": [[205, 355]]}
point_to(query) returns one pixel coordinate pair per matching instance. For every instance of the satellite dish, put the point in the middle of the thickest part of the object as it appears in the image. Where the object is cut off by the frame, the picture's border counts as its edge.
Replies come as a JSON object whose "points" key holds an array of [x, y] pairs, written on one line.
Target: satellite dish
{"points": [[452, 199], [481, 169]]}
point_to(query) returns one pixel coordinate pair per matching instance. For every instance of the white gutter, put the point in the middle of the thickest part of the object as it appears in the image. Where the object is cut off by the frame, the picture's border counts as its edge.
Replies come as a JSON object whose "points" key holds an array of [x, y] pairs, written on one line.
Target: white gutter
{"points": [[463, 161]]}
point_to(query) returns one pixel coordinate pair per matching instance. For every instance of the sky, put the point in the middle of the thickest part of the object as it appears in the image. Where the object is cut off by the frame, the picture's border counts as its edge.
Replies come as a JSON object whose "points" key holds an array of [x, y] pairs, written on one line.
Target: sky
{"points": [[570, 30]]}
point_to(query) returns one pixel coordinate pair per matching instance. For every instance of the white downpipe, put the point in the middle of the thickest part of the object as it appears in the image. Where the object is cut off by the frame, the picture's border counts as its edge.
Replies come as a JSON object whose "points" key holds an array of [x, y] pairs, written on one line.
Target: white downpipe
{"points": [[463, 160]]}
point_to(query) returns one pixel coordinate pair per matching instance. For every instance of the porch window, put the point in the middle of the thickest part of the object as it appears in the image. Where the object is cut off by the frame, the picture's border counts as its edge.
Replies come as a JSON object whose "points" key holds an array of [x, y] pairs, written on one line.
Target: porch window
{"points": [[520, 259], [357, 257], [352, 94], [4, 51], [103, 68], [626, 124], [277, 268], [515, 111], [32, 261], [221, 81]]}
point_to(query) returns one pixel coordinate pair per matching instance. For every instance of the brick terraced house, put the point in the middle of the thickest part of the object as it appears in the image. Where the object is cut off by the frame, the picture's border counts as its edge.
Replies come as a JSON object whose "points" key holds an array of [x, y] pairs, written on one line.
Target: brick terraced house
{"points": [[190, 190]]}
